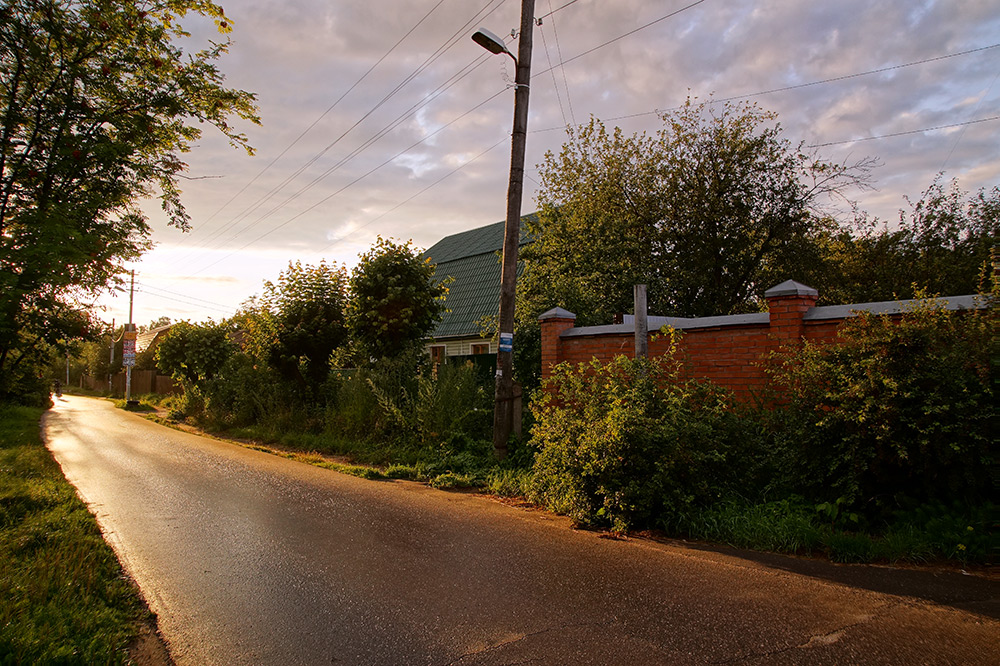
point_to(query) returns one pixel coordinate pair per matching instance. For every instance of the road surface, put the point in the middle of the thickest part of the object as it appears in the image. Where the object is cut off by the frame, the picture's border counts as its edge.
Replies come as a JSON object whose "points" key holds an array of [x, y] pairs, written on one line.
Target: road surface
{"points": [[248, 558]]}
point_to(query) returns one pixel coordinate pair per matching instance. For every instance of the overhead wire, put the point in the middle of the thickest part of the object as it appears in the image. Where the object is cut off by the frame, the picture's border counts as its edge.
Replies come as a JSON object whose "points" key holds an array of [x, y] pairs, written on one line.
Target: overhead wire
{"points": [[801, 85], [631, 32], [450, 42], [414, 196], [352, 183], [893, 134], [555, 32], [325, 113], [562, 63]]}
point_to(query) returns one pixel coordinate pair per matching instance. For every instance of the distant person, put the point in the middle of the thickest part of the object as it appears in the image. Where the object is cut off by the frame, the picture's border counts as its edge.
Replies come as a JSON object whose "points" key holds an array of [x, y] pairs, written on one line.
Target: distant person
{"points": [[58, 388]]}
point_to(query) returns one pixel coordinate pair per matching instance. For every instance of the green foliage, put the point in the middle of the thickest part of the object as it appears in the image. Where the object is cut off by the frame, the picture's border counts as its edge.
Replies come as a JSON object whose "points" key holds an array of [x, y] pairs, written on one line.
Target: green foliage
{"points": [[397, 399], [710, 212], [941, 245], [193, 353], [308, 309], [627, 442], [395, 300], [929, 532], [99, 103], [892, 410], [65, 598]]}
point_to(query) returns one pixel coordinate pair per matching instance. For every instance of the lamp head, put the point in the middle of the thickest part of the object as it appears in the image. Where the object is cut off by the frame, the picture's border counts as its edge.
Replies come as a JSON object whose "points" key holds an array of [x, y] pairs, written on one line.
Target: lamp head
{"points": [[490, 42]]}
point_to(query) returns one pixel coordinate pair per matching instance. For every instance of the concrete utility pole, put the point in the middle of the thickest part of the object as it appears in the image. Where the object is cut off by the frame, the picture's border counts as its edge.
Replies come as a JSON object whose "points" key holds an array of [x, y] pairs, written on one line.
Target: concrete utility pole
{"points": [[111, 362], [641, 324], [128, 344], [503, 408]]}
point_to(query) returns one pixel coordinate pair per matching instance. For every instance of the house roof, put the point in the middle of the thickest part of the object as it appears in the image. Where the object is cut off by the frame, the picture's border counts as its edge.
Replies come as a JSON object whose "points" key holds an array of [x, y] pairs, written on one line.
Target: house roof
{"points": [[472, 259], [145, 340]]}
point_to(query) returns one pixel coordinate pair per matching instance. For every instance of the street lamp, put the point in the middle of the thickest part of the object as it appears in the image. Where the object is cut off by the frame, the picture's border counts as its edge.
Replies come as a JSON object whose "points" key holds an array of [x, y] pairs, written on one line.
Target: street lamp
{"points": [[503, 406], [491, 43]]}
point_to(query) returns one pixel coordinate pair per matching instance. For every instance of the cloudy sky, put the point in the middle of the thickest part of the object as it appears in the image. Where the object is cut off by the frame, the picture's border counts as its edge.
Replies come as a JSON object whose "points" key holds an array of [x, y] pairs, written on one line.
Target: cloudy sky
{"points": [[383, 117]]}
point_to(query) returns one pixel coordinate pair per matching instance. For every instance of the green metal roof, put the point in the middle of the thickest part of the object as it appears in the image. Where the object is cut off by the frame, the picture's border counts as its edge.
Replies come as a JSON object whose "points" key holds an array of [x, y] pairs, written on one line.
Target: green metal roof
{"points": [[472, 259]]}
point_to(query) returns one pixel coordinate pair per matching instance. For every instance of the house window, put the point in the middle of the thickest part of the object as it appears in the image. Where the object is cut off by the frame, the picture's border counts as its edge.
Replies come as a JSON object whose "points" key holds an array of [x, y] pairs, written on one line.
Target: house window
{"points": [[481, 348], [437, 353]]}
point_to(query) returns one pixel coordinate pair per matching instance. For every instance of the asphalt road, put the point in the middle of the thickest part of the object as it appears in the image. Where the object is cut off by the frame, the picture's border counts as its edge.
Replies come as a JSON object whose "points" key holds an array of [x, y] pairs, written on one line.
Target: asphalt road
{"points": [[248, 558]]}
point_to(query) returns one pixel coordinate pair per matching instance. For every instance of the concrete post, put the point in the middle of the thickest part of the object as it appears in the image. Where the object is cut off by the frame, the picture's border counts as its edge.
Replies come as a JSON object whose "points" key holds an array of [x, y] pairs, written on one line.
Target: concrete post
{"points": [[641, 325]]}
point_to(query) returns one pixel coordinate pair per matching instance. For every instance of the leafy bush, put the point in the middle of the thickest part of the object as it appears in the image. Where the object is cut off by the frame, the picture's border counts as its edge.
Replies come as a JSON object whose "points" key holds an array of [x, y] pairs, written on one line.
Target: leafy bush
{"points": [[629, 442], [401, 400], [892, 412]]}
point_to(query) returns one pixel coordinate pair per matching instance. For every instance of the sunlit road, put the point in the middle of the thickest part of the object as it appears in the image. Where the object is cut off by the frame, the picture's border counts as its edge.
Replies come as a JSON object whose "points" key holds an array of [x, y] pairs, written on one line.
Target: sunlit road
{"points": [[248, 558]]}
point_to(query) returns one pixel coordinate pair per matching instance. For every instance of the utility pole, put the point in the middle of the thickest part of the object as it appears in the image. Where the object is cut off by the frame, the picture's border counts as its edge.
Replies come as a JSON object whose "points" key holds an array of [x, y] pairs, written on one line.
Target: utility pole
{"points": [[641, 325], [503, 407], [111, 362], [128, 343]]}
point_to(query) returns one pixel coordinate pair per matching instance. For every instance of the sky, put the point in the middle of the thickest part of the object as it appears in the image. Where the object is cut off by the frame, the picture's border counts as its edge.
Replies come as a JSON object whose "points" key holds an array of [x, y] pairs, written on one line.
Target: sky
{"points": [[385, 118]]}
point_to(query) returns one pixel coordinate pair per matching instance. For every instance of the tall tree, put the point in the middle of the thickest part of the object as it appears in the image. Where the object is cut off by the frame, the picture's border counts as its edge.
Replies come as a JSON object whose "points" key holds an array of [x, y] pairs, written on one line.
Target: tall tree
{"points": [[307, 319], [395, 301], [99, 102], [710, 212]]}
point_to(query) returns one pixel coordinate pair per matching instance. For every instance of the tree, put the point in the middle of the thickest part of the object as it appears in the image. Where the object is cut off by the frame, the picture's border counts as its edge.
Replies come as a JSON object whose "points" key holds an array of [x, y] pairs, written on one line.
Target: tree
{"points": [[192, 353], [395, 301], [941, 245], [710, 212], [307, 320], [99, 104]]}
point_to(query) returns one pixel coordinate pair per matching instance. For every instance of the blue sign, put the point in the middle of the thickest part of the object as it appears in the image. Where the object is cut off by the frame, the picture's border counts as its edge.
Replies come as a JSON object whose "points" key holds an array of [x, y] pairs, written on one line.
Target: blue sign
{"points": [[506, 342]]}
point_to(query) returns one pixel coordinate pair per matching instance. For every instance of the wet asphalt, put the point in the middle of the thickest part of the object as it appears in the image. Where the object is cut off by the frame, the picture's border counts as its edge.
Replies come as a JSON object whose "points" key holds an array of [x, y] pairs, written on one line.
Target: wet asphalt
{"points": [[249, 558]]}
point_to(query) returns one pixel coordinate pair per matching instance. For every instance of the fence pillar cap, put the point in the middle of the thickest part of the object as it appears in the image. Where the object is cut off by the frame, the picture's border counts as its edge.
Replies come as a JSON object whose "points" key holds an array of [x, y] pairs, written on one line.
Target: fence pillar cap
{"points": [[556, 313], [790, 288]]}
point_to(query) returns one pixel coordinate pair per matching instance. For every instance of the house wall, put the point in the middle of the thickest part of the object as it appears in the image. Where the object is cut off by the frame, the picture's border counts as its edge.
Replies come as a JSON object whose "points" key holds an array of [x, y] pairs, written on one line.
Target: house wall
{"points": [[728, 354], [460, 346]]}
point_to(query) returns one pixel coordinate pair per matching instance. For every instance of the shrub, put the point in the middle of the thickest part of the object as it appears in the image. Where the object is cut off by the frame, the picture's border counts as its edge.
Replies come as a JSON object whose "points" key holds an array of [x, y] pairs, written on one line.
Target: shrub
{"points": [[892, 412], [628, 442]]}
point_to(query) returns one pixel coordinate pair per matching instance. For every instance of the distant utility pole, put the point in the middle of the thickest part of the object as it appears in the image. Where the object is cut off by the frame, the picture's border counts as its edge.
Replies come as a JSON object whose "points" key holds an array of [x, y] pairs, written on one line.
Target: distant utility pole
{"points": [[503, 407], [111, 363], [128, 343]]}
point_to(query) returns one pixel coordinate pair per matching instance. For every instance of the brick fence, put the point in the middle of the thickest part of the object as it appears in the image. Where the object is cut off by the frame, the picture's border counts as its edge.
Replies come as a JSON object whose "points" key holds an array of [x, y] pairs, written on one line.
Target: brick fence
{"points": [[727, 349]]}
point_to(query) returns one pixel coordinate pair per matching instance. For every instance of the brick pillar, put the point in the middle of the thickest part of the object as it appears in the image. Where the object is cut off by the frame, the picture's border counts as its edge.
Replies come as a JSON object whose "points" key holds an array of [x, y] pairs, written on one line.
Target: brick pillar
{"points": [[553, 323], [787, 304]]}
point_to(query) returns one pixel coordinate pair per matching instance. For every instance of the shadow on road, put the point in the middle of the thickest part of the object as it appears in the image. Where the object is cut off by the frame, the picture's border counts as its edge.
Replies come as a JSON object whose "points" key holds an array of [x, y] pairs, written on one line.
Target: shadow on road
{"points": [[975, 593]]}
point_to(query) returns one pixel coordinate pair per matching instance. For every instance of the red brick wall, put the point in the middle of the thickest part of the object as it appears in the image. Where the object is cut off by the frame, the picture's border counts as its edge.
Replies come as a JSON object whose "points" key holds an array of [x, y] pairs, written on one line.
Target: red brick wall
{"points": [[728, 355]]}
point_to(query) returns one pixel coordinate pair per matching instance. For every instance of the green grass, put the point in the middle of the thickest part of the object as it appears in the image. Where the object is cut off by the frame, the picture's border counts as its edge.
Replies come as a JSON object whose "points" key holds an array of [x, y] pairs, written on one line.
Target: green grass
{"points": [[63, 596], [931, 533]]}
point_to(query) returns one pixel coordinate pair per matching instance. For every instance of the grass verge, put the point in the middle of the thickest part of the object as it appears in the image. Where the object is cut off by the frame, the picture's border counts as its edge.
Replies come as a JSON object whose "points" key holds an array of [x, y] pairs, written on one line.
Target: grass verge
{"points": [[64, 596]]}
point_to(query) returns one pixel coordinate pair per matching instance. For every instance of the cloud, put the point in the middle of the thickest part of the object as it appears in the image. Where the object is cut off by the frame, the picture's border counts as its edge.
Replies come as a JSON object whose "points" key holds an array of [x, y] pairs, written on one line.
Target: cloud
{"points": [[354, 167]]}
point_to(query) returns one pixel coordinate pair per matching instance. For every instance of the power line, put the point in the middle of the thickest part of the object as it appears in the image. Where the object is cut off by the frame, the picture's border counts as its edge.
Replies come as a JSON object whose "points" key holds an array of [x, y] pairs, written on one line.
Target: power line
{"points": [[403, 203], [447, 45], [600, 46], [919, 131], [325, 113], [801, 85], [555, 32], [353, 182], [627, 34], [175, 293], [225, 310], [553, 11]]}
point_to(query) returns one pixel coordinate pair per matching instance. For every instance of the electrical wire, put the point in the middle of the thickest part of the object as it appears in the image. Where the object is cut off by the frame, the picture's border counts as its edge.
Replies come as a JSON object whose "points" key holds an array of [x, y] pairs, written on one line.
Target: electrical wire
{"points": [[918, 131], [441, 50], [325, 113], [801, 85]]}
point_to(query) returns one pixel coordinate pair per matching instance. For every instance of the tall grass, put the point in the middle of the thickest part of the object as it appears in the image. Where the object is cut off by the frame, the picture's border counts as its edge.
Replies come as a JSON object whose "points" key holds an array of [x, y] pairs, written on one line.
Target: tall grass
{"points": [[63, 596]]}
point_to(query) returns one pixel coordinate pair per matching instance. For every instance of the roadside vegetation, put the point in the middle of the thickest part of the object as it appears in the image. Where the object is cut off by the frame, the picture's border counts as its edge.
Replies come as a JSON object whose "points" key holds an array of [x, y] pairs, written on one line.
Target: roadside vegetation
{"points": [[877, 448], [65, 597]]}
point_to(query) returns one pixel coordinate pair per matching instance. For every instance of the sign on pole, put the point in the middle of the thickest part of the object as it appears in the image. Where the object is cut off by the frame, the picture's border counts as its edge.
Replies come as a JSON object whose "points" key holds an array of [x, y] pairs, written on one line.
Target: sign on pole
{"points": [[128, 349]]}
